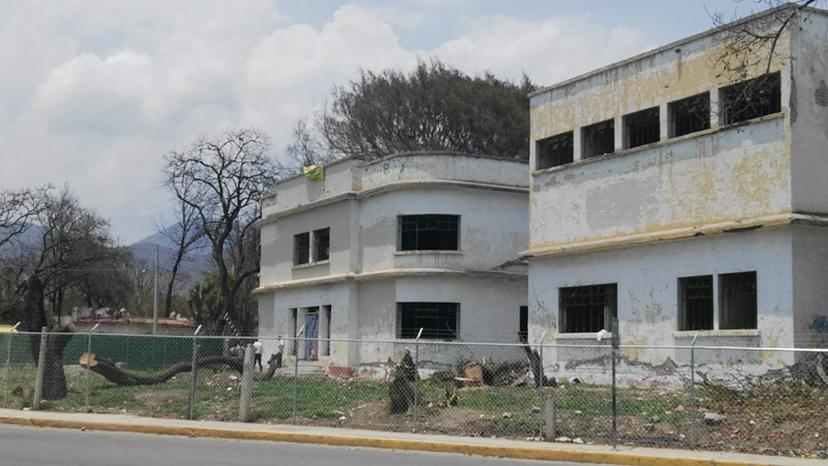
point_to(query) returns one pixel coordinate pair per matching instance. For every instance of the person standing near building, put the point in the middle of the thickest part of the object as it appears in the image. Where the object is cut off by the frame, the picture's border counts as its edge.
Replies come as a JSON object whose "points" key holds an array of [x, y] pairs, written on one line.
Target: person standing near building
{"points": [[258, 349], [281, 352]]}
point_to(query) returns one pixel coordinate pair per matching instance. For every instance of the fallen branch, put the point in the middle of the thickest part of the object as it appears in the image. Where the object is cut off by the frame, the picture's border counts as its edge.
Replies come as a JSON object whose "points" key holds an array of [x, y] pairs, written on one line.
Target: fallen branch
{"points": [[111, 372]]}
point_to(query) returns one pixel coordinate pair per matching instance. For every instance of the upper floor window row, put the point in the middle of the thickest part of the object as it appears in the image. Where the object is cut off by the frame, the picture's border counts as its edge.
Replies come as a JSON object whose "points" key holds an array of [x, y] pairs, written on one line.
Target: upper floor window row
{"points": [[430, 232], [738, 102], [314, 245]]}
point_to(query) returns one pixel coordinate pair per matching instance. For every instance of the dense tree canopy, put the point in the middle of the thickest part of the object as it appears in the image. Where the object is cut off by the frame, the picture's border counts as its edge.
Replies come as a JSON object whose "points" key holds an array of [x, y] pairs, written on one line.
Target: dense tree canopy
{"points": [[435, 107]]}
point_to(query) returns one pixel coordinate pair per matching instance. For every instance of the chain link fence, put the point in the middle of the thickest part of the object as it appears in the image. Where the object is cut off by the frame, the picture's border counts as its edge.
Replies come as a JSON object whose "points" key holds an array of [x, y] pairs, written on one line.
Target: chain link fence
{"points": [[758, 400]]}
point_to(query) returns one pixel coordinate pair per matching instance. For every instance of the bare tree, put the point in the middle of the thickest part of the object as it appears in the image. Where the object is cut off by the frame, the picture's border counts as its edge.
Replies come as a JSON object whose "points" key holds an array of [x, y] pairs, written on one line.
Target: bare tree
{"points": [[223, 179], [753, 44], [185, 234], [305, 149], [74, 242], [17, 208]]}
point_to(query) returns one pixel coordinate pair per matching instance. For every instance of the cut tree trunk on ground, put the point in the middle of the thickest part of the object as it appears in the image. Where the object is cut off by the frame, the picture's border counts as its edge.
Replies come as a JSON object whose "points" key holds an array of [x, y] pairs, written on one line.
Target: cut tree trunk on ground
{"points": [[111, 372]]}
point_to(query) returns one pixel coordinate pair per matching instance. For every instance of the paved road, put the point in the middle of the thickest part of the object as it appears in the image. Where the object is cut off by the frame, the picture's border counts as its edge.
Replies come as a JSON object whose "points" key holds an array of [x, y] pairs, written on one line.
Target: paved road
{"points": [[25, 446]]}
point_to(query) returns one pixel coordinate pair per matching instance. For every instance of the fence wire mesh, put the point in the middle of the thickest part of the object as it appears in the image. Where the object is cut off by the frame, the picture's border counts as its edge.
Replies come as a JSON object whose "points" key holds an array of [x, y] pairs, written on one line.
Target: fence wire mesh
{"points": [[723, 398]]}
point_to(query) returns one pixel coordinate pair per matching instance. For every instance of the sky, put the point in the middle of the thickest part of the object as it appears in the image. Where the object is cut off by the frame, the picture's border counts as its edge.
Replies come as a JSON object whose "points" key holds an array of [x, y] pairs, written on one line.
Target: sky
{"points": [[94, 93]]}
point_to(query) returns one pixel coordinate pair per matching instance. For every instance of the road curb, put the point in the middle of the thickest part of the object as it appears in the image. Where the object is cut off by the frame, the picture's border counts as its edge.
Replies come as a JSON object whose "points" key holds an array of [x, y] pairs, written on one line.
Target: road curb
{"points": [[525, 453]]}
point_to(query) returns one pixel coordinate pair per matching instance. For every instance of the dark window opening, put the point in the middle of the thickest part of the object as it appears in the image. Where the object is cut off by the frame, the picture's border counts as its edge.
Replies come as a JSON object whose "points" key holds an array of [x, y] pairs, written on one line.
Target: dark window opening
{"points": [[523, 326], [321, 244], [587, 308], [641, 128], [696, 303], [429, 232], [689, 115], [554, 151], [438, 320], [737, 298], [598, 139], [750, 99], [301, 248]]}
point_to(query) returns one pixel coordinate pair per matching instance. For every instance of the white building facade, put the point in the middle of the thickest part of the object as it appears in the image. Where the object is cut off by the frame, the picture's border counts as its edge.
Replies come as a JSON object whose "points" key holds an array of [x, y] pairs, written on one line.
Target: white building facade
{"points": [[682, 202], [379, 249]]}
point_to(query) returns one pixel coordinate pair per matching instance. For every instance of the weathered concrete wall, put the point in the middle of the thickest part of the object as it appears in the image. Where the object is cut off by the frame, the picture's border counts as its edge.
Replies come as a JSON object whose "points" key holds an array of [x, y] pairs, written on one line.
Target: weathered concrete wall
{"points": [[654, 79], [810, 268], [647, 278], [493, 228], [733, 174], [275, 315], [489, 311], [352, 176], [425, 166], [809, 131], [277, 243], [298, 191]]}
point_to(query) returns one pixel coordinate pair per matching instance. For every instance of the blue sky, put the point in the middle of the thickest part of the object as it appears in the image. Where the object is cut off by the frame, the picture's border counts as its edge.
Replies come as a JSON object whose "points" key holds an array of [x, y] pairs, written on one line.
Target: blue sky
{"points": [[95, 92]]}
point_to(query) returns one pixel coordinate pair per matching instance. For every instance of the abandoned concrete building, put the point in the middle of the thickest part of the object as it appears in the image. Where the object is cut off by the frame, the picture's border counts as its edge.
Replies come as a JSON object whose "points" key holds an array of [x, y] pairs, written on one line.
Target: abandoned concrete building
{"points": [[380, 249], [683, 202]]}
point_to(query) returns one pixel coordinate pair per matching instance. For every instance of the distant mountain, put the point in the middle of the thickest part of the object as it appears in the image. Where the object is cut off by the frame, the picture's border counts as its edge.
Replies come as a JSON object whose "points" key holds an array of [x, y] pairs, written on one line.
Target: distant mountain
{"points": [[195, 266]]}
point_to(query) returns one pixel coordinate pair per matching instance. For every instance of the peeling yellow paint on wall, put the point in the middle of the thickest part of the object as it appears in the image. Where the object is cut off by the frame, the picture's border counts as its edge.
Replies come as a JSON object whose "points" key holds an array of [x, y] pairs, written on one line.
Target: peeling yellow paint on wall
{"points": [[683, 77]]}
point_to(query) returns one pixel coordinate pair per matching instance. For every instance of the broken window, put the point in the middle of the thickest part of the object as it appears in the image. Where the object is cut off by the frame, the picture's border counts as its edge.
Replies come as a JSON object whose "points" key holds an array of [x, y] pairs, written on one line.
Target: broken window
{"points": [[321, 244], [429, 232], [750, 99], [689, 115], [523, 326], [301, 248], [737, 298], [554, 151], [438, 320], [587, 308], [598, 139], [641, 128], [696, 303]]}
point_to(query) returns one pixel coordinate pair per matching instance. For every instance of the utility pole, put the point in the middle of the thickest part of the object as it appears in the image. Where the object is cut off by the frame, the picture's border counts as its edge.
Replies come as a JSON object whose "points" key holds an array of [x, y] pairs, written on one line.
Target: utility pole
{"points": [[155, 295]]}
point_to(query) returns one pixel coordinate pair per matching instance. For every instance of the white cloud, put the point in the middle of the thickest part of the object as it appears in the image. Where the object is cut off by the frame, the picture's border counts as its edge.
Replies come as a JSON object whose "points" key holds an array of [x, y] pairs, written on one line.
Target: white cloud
{"points": [[100, 90]]}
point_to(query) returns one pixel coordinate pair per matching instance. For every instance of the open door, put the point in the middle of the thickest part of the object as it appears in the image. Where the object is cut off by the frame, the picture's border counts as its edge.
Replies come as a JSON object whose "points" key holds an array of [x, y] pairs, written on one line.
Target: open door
{"points": [[312, 334]]}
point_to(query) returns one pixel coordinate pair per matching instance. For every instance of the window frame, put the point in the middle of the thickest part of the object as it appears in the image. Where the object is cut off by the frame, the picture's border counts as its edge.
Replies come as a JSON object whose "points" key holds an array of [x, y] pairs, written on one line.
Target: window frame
{"points": [[405, 332], [402, 241], [317, 245], [610, 309], [674, 107], [726, 114], [726, 318], [630, 121], [685, 320], [299, 252], [587, 131], [555, 159]]}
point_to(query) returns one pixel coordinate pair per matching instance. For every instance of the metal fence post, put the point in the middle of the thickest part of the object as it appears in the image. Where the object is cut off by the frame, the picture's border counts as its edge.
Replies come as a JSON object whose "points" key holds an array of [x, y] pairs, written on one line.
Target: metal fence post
{"points": [[417, 368], [246, 384], [615, 344], [541, 378], [296, 373], [693, 391], [88, 375], [7, 373], [41, 368], [193, 374]]}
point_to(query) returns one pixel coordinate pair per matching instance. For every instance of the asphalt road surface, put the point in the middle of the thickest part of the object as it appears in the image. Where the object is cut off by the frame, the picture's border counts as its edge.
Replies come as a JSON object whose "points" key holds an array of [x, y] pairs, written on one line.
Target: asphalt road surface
{"points": [[24, 446]]}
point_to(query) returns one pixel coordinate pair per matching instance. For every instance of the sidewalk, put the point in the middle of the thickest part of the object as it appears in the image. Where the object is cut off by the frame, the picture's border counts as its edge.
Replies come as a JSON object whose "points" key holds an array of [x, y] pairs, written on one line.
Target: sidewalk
{"points": [[393, 440]]}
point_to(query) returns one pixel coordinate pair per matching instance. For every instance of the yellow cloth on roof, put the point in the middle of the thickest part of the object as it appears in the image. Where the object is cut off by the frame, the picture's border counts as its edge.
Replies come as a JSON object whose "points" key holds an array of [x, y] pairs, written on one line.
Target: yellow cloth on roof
{"points": [[314, 172]]}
